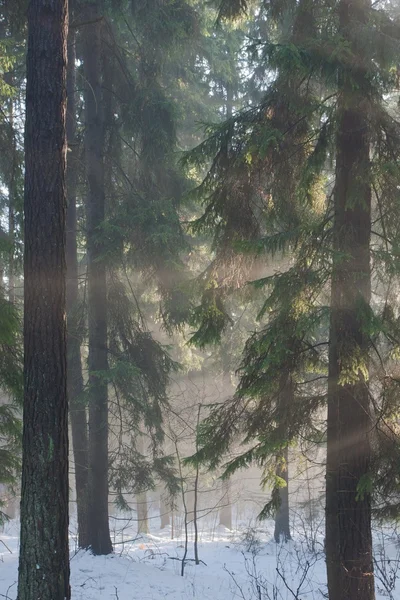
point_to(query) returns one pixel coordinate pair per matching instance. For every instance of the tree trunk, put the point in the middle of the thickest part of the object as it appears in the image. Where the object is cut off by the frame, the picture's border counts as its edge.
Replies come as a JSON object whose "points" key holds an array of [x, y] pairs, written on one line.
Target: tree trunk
{"points": [[142, 513], [12, 196], [225, 513], [77, 411], [11, 506], [44, 558], [281, 494], [348, 509], [165, 511], [98, 524], [196, 498], [282, 523]]}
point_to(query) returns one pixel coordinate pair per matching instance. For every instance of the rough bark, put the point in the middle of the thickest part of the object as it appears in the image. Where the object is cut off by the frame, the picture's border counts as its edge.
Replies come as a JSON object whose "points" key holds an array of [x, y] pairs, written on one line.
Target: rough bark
{"points": [[348, 512], [77, 413], [44, 559], [98, 523]]}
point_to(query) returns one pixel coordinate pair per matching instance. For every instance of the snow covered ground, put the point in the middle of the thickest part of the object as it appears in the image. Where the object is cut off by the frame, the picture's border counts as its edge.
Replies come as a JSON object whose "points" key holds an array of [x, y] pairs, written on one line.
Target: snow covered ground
{"points": [[235, 565]]}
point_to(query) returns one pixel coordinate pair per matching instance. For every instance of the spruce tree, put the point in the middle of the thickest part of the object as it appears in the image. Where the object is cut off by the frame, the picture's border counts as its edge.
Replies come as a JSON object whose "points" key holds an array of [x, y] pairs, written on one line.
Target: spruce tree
{"points": [[321, 106], [78, 416], [136, 196], [348, 509], [98, 523], [144, 235], [235, 189]]}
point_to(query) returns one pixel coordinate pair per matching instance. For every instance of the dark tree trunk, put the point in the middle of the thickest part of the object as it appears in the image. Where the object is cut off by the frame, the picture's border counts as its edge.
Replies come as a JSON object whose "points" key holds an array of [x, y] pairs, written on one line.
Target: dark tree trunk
{"points": [[225, 513], [98, 524], [165, 511], [348, 509], [282, 522], [12, 196], [281, 494], [44, 559], [142, 513], [77, 411], [196, 498]]}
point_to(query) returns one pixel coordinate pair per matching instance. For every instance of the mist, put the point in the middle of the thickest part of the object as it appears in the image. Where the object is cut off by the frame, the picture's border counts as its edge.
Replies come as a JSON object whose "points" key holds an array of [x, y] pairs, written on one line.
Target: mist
{"points": [[199, 299]]}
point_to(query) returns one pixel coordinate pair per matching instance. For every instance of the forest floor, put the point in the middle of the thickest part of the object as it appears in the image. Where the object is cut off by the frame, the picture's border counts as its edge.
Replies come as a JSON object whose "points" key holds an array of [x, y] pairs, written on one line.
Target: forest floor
{"points": [[243, 564]]}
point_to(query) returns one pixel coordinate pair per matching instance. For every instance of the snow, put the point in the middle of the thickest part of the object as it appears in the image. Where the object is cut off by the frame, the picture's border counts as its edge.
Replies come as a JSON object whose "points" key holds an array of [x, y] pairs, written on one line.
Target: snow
{"points": [[233, 565]]}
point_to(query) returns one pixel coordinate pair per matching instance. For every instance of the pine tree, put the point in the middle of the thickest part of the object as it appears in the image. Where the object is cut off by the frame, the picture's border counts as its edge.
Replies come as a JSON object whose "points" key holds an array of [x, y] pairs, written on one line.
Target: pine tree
{"points": [[44, 556]]}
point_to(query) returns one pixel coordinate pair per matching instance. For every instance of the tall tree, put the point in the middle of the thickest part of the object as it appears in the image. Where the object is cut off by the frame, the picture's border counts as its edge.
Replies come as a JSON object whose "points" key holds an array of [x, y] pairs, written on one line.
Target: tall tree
{"points": [[98, 524], [335, 246], [280, 494], [78, 417], [124, 359], [348, 506], [259, 187], [44, 558]]}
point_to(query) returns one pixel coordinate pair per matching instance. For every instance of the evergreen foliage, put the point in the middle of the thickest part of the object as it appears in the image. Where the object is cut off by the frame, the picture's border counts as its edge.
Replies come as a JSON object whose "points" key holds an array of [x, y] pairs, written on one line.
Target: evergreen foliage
{"points": [[142, 240], [282, 148], [11, 383], [220, 133]]}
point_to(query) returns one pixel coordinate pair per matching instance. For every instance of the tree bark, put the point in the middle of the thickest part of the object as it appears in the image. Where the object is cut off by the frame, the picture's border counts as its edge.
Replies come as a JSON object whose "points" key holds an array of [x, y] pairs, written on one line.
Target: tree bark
{"points": [[142, 513], [281, 494], [77, 413], [225, 512], [98, 524], [12, 195], [282, 522], [165, 511], [348, 509], [196, 498], [44, 558]]}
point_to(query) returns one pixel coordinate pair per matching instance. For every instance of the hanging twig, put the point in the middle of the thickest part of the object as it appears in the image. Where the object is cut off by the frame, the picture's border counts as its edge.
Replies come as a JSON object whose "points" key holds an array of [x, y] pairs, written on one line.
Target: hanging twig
{"points": [[4, 544], [196, 485]]}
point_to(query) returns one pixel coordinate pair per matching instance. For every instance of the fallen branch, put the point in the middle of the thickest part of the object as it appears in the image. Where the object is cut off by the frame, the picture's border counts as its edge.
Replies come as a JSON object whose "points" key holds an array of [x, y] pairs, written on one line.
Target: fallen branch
{"points": [[186, 559]]}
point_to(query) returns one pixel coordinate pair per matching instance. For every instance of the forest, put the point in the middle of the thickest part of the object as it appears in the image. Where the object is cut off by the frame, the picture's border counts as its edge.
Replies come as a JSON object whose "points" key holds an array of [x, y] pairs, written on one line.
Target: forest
{"points": [[199, 299]]}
